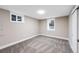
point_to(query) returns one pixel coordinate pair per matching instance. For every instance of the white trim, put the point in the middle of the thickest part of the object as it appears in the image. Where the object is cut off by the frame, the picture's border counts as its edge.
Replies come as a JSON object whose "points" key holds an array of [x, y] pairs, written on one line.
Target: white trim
{"points": [[48, 21], [17, 14], [13, 43], [63, 38], [74, 9]]}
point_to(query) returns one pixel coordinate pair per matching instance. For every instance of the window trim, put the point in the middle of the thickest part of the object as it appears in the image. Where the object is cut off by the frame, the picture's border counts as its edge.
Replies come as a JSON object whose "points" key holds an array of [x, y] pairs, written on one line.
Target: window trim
{"points": [[48, 21], [17, 14]]}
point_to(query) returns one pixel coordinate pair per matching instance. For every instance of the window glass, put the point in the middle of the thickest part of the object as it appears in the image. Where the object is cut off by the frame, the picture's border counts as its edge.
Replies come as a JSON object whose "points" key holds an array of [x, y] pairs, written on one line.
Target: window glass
{"points": [[13, 17], [19, 18], [51, 24]]}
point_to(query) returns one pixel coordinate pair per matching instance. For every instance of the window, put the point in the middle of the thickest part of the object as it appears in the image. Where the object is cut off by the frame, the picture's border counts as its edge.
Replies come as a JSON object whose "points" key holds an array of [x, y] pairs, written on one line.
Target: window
{"points": [[51, 24], [17, 18], [13, 17]]}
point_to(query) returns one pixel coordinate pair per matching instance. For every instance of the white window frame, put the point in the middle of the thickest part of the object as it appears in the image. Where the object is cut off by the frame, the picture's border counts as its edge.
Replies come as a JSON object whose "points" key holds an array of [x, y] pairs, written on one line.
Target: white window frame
{"points": [[17, 14], [48, 21]]}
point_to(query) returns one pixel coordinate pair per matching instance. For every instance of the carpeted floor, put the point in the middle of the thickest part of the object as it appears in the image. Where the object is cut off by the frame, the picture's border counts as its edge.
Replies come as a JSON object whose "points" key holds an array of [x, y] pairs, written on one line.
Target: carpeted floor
{"points": [[40, 44]]}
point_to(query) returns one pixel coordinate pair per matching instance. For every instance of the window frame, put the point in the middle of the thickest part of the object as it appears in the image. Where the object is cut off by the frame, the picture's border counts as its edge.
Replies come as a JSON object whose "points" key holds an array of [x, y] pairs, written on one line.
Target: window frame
{"points": [[17, 14], [48, 27]]}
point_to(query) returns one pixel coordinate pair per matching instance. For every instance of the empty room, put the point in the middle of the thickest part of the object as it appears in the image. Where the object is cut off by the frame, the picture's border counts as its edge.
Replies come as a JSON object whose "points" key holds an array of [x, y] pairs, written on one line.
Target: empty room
{"points": [[38, 28]]}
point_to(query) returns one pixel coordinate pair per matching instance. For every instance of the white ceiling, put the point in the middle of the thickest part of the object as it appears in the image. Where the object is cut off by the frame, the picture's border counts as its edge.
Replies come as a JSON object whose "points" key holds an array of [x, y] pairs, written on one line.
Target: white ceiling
{"points": [[30, 10]]}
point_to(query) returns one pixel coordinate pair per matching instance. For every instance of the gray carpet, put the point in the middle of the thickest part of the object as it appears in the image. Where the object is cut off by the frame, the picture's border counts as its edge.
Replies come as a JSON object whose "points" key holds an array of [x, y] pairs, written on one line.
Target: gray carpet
{"points": [[40, 44]]}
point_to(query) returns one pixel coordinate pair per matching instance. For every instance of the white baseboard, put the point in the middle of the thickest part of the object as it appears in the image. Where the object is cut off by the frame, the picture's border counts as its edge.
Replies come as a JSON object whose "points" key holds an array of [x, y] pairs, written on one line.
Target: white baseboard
{"points": [[13, 43], [55, 37]]}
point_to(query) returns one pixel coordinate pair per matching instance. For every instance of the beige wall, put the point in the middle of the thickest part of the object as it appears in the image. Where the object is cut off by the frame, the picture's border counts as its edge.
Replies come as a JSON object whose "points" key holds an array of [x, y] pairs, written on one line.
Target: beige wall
{"points": [[78, 24], [12, 32], [61, 27], [73, 31]]}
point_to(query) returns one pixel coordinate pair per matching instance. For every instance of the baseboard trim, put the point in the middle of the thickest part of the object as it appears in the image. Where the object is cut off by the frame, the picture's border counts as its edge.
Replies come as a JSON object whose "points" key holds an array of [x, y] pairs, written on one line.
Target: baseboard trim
{"points": [[55, 37], [13, 43], [10, 44]]}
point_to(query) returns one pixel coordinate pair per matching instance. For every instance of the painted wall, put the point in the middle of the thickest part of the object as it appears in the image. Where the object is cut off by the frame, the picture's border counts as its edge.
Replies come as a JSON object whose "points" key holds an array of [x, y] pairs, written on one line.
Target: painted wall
{"points": [[12, 32], [61, 27], [78, 30], [78, 24], [73, 31]]}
